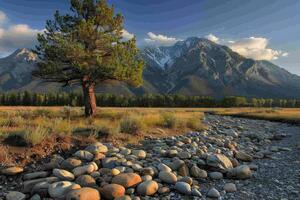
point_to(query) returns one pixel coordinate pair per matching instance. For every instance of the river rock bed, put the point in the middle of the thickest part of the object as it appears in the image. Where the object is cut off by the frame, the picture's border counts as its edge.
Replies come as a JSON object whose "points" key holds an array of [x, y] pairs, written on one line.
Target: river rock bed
{"points": [[233, 159]]}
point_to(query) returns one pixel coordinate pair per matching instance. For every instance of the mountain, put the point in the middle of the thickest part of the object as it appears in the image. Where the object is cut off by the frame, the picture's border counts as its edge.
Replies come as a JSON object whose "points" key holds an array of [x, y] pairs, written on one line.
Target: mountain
{"points": [[198, 66], [195, 66]]}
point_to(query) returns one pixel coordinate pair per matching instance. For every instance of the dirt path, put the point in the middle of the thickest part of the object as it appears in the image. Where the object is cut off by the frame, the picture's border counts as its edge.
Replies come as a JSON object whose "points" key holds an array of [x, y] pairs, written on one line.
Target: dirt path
{"points": [[277, 177]]}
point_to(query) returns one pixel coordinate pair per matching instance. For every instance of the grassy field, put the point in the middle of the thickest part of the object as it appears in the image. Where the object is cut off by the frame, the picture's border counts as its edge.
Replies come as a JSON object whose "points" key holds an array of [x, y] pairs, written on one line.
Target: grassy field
{"points": [[288, 115], [30, 133], [38, 131]]}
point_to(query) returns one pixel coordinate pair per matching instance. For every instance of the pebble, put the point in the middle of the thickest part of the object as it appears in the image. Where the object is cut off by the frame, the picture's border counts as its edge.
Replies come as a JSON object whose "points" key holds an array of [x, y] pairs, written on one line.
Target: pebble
{"points": [[230, 187], [147, 188], [213, 193], [112, 191], [167, 177], [183, 188]]}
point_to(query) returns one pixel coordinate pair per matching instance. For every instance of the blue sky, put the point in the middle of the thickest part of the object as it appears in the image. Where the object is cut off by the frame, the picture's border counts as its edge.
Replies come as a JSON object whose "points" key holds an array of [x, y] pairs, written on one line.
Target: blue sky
{"points": [[260, 29]]}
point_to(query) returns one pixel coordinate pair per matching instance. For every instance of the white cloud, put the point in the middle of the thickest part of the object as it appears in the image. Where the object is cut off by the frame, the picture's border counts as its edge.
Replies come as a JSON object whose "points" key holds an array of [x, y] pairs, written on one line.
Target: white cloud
{"points": [[252, 47], [2, 17], [256, 48], [160, 40], [212, 38], [14, 36], [126, 35]]}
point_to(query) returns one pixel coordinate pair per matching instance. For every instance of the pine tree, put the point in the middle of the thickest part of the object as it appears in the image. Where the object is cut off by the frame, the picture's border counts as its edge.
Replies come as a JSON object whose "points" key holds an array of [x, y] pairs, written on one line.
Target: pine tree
{"points": [[86, 47]]}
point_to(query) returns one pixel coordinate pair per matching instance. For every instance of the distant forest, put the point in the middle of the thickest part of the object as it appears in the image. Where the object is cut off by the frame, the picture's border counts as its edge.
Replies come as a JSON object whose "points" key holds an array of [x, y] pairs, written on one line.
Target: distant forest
{"points": [[149, 100]]}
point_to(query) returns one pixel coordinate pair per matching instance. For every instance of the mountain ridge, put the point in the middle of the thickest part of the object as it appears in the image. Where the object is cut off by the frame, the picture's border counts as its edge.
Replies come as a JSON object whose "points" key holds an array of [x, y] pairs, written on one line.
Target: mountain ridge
{"points": [[195, 66]]}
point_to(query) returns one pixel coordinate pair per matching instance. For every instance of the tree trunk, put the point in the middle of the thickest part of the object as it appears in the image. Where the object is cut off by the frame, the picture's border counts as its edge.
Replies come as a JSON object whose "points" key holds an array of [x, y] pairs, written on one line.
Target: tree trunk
{"points": [[89, 99]]}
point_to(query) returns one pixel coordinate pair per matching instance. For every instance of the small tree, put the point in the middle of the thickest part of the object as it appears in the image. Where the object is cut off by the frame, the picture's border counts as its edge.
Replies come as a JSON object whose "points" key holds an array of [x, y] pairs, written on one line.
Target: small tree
{"points": [[86, 47]]}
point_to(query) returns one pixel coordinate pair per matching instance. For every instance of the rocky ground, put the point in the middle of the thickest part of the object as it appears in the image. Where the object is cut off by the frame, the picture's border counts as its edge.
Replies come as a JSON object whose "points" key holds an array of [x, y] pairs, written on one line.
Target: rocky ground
{"points": [[233, 159]]}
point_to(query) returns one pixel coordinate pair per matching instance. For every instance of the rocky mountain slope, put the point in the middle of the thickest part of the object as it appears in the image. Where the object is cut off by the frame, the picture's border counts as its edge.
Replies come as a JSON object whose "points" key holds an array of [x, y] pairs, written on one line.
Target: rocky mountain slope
{"points": [[195, 66], [200, 67]]}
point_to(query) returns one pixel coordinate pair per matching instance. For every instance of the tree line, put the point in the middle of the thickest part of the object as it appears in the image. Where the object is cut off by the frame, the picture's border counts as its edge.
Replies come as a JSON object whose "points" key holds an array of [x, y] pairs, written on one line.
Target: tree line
{"points": [[148, 100]]}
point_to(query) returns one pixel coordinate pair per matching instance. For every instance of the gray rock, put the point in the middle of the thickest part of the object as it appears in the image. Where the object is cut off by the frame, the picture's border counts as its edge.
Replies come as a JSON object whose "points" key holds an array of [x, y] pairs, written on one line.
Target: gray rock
{"points": [[213, 193], [183, 188], [230, 187], [59, 190], [84, 155], [13, 195], [167, 177], [216, 175], [63, 175]]}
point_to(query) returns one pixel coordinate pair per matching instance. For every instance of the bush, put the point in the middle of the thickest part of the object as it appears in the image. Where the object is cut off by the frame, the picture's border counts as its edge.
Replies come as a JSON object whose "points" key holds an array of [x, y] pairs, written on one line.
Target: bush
{"points": [[194, 124], [169, 120], [61, 127], [36, 135], [131, 125]]}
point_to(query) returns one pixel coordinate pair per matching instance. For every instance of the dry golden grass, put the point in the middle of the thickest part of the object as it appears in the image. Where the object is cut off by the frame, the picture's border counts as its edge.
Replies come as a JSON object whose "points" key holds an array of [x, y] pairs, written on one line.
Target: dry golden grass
{"points": [[107, 123], [288, 115]]}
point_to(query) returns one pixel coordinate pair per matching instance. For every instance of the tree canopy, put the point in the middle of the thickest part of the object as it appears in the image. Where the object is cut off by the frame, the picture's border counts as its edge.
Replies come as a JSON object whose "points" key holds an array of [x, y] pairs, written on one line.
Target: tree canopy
{"points": [[86, 47]]}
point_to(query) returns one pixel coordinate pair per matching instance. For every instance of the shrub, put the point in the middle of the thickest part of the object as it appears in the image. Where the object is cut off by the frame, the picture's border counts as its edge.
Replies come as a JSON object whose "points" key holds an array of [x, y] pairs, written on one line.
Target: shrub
{"points": [[12, 121], [193, 123], [36, 135], [61, 127], [168, 120], [130, 125]]}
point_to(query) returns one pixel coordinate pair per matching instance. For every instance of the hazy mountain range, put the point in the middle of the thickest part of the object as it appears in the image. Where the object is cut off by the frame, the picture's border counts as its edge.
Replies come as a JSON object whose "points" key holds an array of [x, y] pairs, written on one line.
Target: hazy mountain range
{"points": [[195, 66]]}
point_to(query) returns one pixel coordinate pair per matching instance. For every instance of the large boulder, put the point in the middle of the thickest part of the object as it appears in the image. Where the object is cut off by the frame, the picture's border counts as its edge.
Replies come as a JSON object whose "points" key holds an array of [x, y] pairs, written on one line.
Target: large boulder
{"points": [[127, 179]]}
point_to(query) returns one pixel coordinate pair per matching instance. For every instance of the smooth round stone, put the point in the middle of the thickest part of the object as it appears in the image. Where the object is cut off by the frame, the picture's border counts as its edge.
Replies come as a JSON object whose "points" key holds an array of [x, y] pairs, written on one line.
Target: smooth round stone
{"points": [[11, 171], [13, 195], [197, 172], [184, 155], [59, 190], [141, 154], [84, 155], [86, 169], [240, 172], [125, 152], [219, 161], [167, 177], [172, 153], [213, 193], [196, 192], [85, 181], [183, 188], [71, 163], [97, 148], [187, 180], [136, 167], [230, 187], [63, 174], [163, 167], [83, 194], [240, 155], [147, 188], [35, 175], [127, 179], [147, 171], [146, 178], [216, 175], [115, 172], [112, 191]]}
